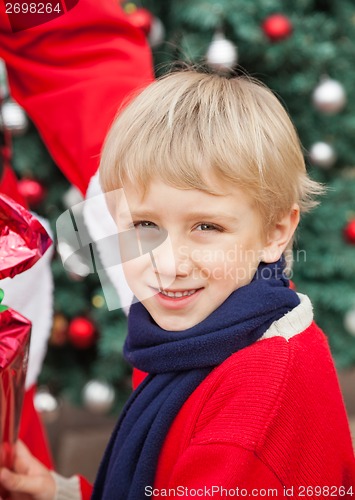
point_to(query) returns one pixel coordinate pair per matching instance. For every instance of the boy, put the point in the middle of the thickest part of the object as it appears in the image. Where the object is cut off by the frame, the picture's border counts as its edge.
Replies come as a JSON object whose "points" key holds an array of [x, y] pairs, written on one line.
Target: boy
{"points": [[238, 395]]}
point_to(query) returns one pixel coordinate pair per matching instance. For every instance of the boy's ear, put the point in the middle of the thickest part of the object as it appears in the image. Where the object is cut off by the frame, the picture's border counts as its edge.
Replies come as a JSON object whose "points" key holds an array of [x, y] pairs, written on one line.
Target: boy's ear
{"points": [[280, 235]]}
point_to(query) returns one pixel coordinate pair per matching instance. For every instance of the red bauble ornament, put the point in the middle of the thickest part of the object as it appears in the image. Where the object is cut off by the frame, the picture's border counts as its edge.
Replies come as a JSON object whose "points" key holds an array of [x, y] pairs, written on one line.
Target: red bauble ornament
{"points": [[142, 19], [81, 332], [32, 191], [277, 27], [349, 232]]}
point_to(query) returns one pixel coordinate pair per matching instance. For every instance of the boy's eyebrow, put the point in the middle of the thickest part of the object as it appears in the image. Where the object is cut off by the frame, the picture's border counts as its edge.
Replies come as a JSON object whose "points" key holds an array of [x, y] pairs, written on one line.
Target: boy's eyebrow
{"points": [[199, 215], [212, 216], [144, 214]]}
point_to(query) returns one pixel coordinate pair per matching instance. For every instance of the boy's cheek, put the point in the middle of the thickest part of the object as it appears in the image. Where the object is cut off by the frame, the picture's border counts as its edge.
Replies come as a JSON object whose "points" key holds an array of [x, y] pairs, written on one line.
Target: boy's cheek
{"points": [[136, 272], [234, 274], [142, 277]]}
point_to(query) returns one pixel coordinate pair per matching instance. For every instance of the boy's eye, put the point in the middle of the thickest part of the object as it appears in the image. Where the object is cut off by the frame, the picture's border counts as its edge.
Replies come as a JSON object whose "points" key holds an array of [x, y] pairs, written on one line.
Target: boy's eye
{"points": [[208, 227], [145, 224]]}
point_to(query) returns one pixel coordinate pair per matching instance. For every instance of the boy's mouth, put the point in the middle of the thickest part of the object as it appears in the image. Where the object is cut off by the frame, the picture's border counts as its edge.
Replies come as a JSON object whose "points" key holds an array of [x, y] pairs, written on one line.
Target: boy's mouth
{"points": [[177, 293]]}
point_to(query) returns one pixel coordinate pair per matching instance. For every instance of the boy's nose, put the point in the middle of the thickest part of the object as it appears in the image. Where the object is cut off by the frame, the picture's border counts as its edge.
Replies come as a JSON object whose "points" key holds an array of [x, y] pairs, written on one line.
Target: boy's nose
{"points": [[172, 260]]}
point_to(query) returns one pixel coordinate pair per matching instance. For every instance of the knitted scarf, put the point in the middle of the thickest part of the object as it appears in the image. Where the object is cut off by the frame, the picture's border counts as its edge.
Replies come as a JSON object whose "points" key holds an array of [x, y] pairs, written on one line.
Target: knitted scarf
{"points": [[177, 362]]}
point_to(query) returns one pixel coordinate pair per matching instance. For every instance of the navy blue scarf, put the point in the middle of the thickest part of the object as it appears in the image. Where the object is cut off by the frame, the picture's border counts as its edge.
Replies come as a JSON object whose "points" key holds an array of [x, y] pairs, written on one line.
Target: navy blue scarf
{"points": [[177, 362]]}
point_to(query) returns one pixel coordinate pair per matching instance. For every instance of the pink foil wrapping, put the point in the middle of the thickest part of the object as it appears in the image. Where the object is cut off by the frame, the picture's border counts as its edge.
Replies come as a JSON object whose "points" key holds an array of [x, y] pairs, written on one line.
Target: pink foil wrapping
{"points": [[23, 240], [15, 333]]}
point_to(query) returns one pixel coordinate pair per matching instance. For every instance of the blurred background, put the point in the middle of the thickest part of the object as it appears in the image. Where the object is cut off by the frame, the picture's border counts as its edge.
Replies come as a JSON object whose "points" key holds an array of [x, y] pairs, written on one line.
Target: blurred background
{"points": [[304, 51]]}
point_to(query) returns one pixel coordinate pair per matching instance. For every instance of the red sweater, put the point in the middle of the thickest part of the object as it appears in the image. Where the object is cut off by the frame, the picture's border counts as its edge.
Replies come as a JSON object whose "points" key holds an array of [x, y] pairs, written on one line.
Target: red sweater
{"points": [[270, 417]]}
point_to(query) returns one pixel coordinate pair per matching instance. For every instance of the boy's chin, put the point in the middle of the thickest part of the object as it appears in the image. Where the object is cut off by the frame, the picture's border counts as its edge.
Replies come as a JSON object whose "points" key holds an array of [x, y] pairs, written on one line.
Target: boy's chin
{"points": [[176, 323]]}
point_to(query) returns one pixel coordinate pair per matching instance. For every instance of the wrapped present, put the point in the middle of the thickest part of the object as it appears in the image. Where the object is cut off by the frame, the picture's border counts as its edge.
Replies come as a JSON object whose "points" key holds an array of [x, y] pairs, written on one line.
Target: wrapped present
{"points": [[14, 345], [23, 241]]}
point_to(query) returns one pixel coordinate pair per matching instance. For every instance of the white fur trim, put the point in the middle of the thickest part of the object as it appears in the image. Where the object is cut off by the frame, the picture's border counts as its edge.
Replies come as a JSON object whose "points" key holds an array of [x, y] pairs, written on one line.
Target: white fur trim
{"points": [[294, 322], [100, 225], [66, 488]]}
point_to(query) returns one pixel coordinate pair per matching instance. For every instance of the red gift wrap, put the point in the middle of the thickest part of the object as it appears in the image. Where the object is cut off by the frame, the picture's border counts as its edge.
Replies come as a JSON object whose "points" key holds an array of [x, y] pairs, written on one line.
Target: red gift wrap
{"points": [[15, 333], [23, 239]]}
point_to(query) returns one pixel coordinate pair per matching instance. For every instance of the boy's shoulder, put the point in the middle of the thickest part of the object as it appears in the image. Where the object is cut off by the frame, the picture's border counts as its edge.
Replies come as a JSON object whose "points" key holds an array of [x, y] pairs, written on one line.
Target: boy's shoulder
{"points": [[284, 347], [283, 373]]}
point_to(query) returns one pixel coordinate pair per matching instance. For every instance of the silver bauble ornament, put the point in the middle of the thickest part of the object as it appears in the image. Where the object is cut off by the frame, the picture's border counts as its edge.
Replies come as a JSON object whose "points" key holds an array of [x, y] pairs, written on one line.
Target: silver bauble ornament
{"points": [[349, 321], [322, 155], [329, 96], [222, 54], [98, 396], [157, 33], [13, 118], [46, 404]]}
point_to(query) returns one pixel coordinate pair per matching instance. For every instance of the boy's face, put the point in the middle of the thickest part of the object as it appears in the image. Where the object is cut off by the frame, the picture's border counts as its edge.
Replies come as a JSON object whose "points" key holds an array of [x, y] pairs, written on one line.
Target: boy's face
{"points": [[212, 245]]}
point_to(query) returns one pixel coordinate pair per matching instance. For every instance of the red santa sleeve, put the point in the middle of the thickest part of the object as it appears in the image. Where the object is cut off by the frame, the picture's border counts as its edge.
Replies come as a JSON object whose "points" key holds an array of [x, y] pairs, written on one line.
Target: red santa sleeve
{"points": [[71, 74]]}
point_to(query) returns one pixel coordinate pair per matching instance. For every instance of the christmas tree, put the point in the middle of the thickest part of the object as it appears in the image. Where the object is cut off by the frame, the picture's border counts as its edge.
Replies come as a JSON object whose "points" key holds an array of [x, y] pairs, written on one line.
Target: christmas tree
{"points": [[303, 51]]}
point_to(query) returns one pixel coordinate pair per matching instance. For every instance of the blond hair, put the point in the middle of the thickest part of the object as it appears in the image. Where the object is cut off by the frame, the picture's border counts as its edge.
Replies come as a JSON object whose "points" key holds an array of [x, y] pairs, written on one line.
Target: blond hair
{"points": [[189, 126]]}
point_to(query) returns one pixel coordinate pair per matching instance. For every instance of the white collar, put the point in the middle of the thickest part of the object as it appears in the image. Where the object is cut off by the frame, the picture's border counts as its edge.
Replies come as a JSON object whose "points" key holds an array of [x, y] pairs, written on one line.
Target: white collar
{"points": [[294, 322]]}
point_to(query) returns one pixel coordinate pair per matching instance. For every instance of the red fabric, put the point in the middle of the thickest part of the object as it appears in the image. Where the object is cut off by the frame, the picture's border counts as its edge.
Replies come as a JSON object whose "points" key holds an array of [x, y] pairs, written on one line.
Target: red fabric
{"points": [[85, 488], [292, 285], [71, 74], [137, 377], [271, 416], [32, 431]]}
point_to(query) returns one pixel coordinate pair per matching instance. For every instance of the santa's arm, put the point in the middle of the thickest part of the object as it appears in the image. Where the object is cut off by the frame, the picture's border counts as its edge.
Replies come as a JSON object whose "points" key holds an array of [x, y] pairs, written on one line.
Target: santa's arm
{"points": [[71, 75]]}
